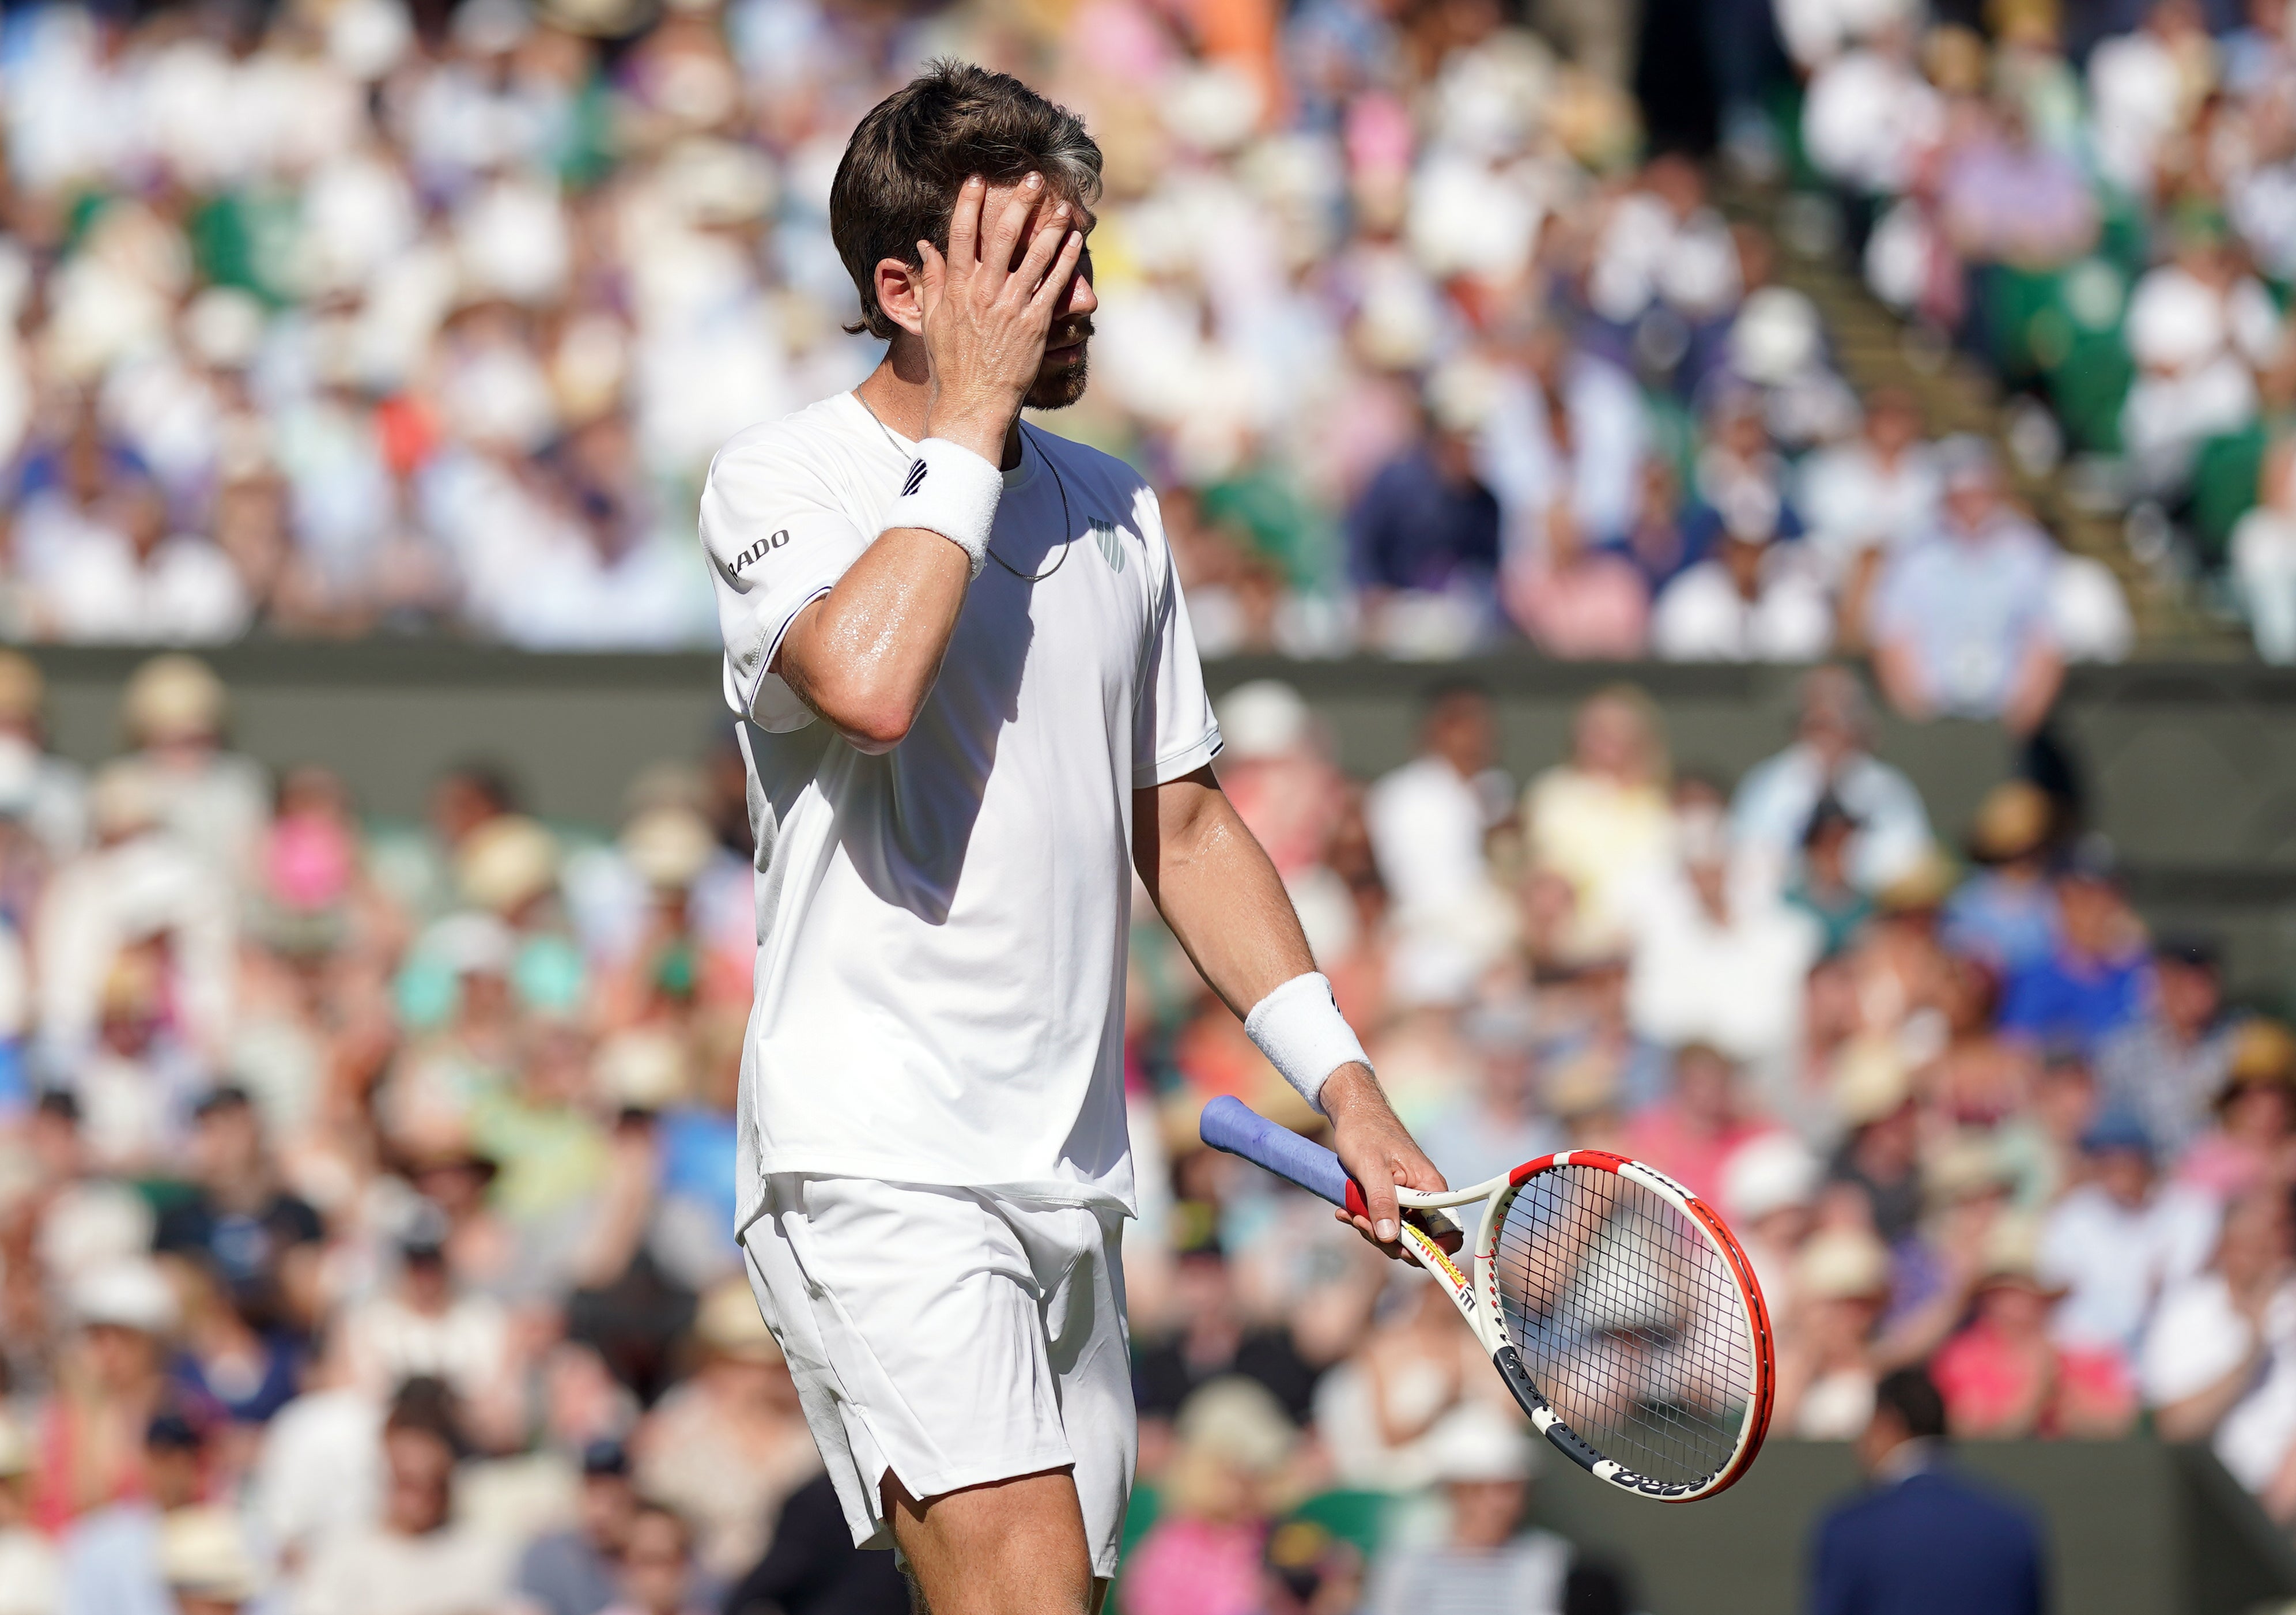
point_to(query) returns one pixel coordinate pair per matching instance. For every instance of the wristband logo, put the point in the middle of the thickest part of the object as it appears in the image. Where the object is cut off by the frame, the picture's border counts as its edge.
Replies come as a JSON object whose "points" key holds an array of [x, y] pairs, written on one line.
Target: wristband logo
{"points": [[916, 478]]}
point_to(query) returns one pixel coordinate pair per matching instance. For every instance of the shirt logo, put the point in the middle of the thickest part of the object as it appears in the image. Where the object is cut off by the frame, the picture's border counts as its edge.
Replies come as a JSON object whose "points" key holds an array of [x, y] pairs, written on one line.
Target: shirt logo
{"points": [[1104, 539], [732, 573], [916, 478], [760, 549]]}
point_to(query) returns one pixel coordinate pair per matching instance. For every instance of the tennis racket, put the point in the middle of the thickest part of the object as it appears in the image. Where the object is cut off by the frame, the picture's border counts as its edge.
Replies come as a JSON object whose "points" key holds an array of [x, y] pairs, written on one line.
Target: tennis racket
{"points": [[1614, 1303]]}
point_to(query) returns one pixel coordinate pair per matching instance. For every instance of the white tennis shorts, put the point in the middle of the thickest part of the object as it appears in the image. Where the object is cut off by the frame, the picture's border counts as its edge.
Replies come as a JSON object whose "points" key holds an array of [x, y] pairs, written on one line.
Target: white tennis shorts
{"points": [[953, 1337]]}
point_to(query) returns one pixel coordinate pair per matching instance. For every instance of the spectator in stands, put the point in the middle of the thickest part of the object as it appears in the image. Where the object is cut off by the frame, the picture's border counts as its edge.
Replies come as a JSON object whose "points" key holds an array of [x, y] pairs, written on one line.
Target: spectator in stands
{"points": [[1692, 1135], [1213, 1338], [657, 1575], [1378, 1410], [138, 885], [2220, 1358], [2197, 327], [140, 584], [1923, 1538], [1275, 766], [1755, 597], [2095, 978], [1497, 1123], [2264, 557], [1825, 1338], [2119, 1240], [2166, 1066], [571, 1571], [260, 1238], [1980, 1078], [207, 1565], [1879, 1156], [1822, 889], [2255, 1132], [1831, 757], [2141, 93], [814, 1569], [111, 1388], [1428, 818], [39, 792], [424, 1325], [1487, 1563], [212, 799], [1870, 117], [1657, 539], [1575, 601], [110, 1557], [1566, 438], [1602, 821], [1740, 483], [236, 1363], [1308, 1570], [1864, 498], [2006, 1375], [1665, 274], [29, 1581], [1201, 1557], [1769, 1193], [2009, 199], [1967, 1182], [2005, 916], [1961, 617], [78, 492], [727, 1444], [1424, 538], [417, 1558], [1718, 955]]}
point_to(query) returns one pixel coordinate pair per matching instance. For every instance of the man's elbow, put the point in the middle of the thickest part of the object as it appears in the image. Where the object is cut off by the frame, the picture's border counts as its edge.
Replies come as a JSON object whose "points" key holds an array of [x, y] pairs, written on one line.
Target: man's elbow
{"points": [[872, 721], [874, 706], [874, 731]]}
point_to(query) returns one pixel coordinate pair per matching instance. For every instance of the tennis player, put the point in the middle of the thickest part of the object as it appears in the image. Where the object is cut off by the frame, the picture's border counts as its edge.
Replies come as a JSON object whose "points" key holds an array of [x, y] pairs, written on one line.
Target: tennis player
{"points": [[971, 708]]}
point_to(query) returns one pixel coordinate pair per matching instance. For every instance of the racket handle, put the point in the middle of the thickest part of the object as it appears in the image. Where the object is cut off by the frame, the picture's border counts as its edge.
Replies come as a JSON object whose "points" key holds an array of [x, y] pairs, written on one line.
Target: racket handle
{"points": [[1229, 1124]]}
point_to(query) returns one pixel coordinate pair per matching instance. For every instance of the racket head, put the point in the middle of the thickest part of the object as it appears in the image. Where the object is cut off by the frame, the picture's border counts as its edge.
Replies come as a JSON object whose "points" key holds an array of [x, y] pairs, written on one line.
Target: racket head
{"points": [[1632, 1327]]}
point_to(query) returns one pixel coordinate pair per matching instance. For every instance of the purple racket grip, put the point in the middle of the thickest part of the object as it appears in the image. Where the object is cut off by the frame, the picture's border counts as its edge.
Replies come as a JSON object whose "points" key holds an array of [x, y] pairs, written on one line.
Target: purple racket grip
{"points": [[1229, 1124]]}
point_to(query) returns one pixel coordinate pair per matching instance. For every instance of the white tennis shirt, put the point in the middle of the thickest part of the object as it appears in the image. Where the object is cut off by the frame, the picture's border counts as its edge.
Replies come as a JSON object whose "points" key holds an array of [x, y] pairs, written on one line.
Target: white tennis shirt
{"points": [[942, 930]]}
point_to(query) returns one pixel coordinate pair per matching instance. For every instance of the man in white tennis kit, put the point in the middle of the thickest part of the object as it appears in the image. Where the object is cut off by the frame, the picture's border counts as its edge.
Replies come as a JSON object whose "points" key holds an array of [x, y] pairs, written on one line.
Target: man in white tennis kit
{"points": [[972, 708]]}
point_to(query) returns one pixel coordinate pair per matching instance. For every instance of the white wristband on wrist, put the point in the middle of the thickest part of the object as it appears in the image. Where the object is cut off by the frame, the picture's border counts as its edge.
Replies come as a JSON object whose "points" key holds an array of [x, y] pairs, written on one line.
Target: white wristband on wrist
{"points": [[1300, 1029], [949, 491]]}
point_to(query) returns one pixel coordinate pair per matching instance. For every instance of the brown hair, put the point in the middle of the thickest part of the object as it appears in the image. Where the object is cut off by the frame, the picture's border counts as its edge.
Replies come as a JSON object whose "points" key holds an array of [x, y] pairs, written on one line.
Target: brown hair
{"points": [[899, 176]]}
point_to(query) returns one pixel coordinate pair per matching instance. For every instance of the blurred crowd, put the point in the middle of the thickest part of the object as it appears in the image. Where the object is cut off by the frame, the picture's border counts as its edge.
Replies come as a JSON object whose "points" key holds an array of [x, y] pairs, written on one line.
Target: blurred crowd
{"points": [[366, 1230], [346, 317], [2098, 202], [1966, 1113], [367, 1187]]}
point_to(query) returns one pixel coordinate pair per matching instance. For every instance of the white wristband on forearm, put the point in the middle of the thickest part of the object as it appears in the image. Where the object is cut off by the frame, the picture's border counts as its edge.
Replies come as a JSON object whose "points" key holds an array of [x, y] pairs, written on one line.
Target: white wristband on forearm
{"points": [[949, 491], [1300, 1029]]}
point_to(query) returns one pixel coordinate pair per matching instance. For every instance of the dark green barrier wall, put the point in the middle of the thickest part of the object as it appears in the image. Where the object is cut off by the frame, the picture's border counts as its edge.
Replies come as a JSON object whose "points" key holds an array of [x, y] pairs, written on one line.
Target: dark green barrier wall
{"points": [[2192, 767], [2135, 1528]]}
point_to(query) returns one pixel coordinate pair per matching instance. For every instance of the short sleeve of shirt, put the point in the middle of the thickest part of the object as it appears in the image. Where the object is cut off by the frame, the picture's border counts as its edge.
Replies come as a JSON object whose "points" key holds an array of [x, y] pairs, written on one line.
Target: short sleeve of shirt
{"points": [[777, 542], [1173, 731]]}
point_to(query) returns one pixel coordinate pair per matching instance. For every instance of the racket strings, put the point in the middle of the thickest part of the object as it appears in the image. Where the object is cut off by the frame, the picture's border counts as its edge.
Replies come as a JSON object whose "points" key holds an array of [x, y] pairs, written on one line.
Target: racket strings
{"points": [[1626, 1320]]}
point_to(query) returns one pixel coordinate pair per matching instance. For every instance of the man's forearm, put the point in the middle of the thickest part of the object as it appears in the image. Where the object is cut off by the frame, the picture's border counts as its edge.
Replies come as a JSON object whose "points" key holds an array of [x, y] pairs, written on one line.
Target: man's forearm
{"points": [[1216, 889], [1213, 883], [865, 655]]}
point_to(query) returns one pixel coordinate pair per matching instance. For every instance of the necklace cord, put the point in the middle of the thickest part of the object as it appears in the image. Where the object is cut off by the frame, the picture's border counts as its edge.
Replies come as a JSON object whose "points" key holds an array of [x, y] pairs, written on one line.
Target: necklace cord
{"points": [[1028, 440]]}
